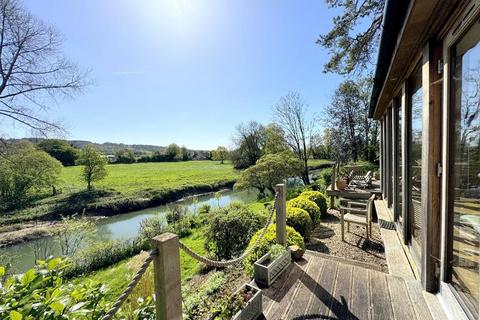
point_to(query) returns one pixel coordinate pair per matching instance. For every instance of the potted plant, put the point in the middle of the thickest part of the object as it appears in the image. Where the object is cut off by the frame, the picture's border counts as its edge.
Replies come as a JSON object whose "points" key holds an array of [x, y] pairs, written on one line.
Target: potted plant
{"points": [[245, 304], [270, 266]]}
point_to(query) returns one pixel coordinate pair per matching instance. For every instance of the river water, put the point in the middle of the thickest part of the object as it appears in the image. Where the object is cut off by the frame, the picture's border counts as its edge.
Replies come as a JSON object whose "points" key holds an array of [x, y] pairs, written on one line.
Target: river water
{"points": [[124, 226]]}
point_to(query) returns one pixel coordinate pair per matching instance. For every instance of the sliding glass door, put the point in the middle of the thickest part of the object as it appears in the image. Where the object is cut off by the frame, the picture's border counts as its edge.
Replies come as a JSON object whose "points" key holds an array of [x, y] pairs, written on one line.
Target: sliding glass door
{"points": [[464, 206]]}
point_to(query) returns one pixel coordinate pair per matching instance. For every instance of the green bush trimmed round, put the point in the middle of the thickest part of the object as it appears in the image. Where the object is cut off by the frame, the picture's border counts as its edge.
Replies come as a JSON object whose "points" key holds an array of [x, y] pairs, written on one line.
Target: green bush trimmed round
{"points": [[318, 198], [293, 238], [307, 205], [299, 220]]}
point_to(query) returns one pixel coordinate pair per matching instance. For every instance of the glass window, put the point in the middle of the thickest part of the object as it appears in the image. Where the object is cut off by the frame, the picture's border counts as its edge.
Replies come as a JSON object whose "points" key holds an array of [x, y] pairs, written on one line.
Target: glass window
{"points": [[415, 98], [399, 164], [465, 178]]}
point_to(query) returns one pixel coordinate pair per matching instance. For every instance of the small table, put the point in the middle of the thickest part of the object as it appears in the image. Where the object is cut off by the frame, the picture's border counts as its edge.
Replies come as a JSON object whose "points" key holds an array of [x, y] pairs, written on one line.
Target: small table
{"points": [[352, 193]]}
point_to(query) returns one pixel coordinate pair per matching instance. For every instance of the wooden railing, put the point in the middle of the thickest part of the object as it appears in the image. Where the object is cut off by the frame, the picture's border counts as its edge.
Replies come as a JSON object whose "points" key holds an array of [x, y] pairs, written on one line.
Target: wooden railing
{"points": [[166, 264]]}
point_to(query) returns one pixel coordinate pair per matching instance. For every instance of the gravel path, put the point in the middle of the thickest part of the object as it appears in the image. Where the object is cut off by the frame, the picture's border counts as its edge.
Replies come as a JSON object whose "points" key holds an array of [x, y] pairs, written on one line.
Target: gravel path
{"points": [[326, 238]]}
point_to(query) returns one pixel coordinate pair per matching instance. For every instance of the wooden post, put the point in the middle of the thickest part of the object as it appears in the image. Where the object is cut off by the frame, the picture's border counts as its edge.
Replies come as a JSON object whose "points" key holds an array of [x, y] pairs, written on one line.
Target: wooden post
{"points": [[166, 264], [334, 179], [281, 214]]}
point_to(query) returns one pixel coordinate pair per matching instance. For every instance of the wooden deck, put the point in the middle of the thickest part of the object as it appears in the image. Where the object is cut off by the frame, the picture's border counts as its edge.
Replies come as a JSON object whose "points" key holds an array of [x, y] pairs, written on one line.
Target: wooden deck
{"points": [[322, 288]]}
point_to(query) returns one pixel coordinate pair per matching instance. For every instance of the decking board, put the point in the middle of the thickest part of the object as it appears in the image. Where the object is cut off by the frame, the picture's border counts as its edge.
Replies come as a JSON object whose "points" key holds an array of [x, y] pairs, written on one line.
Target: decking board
{"points": [[322, 288]]}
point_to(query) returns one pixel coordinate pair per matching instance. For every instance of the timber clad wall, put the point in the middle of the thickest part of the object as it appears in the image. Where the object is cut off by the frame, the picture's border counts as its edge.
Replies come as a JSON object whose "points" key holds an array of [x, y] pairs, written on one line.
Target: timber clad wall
{"points": [[427, 101]]}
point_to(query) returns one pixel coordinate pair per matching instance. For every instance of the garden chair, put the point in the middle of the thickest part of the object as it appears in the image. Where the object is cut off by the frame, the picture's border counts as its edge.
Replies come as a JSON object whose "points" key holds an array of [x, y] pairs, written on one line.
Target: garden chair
{"points": [[361, 181], [357, 213]]}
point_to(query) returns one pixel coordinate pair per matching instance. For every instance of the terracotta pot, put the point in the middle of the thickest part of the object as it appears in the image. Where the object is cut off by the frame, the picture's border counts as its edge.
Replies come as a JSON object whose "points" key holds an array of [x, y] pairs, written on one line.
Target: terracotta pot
{"points": [[341, 184]]}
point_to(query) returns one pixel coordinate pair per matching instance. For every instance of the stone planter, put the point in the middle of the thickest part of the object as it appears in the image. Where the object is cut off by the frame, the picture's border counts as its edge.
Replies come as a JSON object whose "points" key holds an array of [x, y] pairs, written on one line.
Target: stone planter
{"points": [[266, 274], [253, 308]]}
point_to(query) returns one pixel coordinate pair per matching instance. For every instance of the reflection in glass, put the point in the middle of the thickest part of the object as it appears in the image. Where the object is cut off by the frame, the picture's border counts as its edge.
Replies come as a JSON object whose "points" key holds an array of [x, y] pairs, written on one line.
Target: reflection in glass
{"points": [[399, 165], [466, 169], [415, 156]]}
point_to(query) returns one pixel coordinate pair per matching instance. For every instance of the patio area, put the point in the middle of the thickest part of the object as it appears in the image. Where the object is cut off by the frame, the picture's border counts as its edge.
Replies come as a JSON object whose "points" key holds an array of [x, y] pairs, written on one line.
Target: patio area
{"points": [[341, 286]]}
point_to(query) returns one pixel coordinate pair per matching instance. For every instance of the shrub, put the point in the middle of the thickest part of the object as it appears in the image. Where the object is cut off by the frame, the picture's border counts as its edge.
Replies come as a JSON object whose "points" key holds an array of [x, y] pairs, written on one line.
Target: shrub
{"points": [[318, 198], [104, 254], [230, 230], [41, 293], [324, 177], [152, 227], [293, 238], [307, 205], [299, 220]]}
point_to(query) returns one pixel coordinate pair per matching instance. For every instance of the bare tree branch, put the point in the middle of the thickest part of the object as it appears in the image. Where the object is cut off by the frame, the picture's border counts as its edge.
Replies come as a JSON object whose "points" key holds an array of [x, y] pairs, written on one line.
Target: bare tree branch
{"points": [[33, 70]]}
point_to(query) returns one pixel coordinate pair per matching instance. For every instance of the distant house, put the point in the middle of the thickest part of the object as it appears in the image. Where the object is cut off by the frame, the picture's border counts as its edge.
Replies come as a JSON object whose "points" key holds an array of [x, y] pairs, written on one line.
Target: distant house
{"points": [[426, 96], [111, 158]]}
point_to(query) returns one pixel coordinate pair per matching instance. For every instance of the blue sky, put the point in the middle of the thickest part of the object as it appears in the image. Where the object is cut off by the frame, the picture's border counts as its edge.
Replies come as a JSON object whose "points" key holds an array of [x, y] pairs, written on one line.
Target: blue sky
{"points": [[186, 71]]}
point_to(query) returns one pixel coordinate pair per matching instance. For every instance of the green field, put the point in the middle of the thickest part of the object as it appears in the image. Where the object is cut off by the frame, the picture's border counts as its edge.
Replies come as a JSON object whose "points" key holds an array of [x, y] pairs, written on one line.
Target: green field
{"points": [[128, 187], [132, 178]]}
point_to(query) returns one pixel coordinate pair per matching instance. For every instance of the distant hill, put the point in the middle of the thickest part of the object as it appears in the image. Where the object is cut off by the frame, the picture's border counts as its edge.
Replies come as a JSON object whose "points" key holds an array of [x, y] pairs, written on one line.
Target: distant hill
{"points": [[138, 149]]}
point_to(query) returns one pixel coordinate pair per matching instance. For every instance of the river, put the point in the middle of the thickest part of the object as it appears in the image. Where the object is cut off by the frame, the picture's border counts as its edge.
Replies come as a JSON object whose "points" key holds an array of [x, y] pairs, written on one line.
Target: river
{"points": [[124, 226]]}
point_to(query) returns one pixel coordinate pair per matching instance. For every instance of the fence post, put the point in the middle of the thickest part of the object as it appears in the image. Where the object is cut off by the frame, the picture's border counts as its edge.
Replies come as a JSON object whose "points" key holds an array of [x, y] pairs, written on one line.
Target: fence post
{"points": [[166, 264], [281, 214], [333, 185]]}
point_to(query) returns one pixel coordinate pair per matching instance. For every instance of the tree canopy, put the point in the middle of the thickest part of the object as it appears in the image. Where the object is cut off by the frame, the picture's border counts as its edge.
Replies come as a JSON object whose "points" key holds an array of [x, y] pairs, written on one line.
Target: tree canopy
{"points": [[353, 39], [94, 165], [60, 150], [270, 170], [220, 154], [25, 170]]}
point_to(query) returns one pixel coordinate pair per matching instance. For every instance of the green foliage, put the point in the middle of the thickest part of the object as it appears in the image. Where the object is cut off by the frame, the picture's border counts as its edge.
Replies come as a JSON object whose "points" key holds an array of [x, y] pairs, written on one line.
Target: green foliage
{"points": [[318, 198], [60, 150], [194, 300], [125, 156], [42, 293], [299, 220], [25, 171], [276, 251], [307, 205], [73, 233], [220, 154], [360, 167], [235, 303], [293, 238], [274, 140], [325, 177], [249, 140], [151, 227], [230, 230], [270, 170], [128, 187], [93, 165], [354, 36], [104, 254]]}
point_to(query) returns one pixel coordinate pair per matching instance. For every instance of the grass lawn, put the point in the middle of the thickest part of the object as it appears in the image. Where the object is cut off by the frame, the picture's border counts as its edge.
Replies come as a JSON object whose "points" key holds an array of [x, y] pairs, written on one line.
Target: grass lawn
{"points": [[117, 276], [313, 163], [135, 177], [127, 187]]}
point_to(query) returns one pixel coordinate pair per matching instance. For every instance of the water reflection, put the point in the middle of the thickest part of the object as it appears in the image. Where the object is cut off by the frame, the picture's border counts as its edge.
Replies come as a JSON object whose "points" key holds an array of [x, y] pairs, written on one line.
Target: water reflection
{"points": [[121, 227]]}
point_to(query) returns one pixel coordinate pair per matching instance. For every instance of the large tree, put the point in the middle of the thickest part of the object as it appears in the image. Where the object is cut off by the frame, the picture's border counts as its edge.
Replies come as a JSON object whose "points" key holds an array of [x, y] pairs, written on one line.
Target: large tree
{"points": [[270, 170], [94, 165], [25, 170], [353, 39], [33, 69], [249, 140], [355, 135], [220, 154], [290, 114], [60, 150]]}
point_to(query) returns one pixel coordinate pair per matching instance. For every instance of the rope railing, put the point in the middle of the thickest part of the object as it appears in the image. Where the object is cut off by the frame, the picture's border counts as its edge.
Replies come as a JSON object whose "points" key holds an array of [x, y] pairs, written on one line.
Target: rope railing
{"points": [[128, 290], [226, 263], [166, 264]]}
